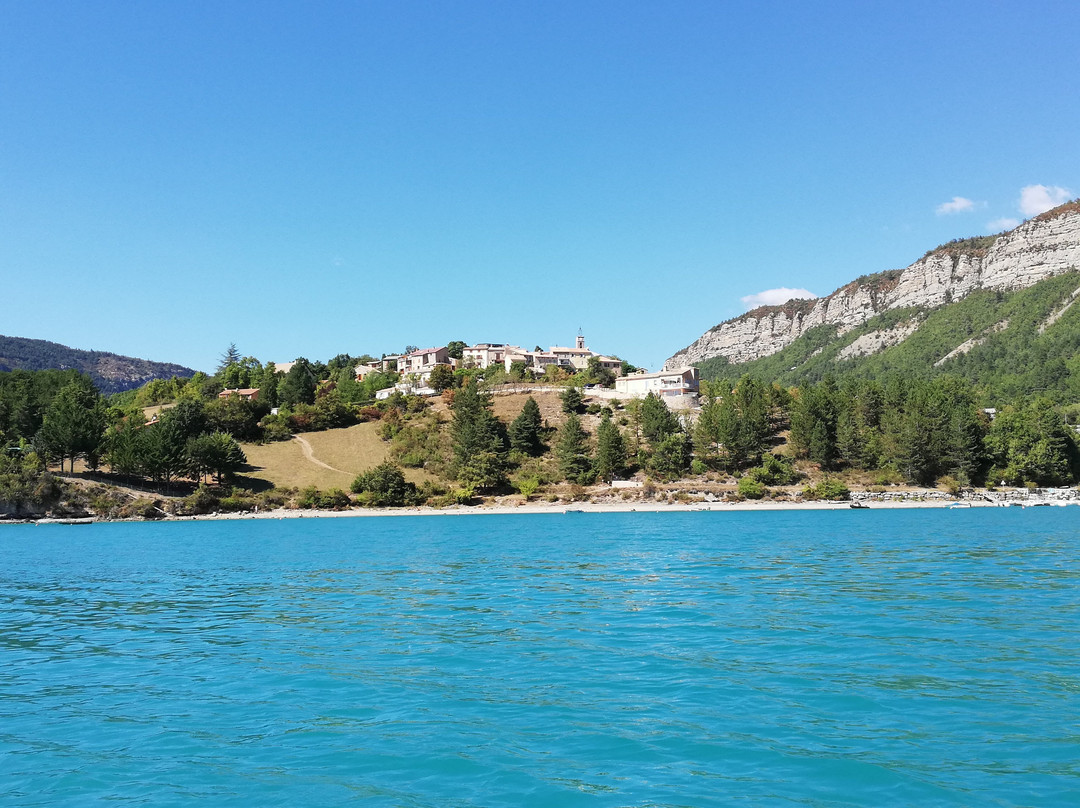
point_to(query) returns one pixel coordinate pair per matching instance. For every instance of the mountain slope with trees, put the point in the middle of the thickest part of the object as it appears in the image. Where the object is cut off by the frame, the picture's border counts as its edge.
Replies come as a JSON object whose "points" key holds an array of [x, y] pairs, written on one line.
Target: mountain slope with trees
{"points": [[111, 373], [1042, 248], [1005, 344]]}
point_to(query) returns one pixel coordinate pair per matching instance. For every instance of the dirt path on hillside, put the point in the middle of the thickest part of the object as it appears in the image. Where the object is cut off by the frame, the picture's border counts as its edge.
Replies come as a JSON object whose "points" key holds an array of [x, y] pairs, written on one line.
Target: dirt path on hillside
{"points": [[310, 455]]}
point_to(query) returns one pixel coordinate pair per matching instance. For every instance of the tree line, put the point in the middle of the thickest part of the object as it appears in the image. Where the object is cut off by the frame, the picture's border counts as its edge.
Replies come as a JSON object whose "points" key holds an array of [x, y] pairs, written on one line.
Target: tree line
{"points": [[921, 431]]}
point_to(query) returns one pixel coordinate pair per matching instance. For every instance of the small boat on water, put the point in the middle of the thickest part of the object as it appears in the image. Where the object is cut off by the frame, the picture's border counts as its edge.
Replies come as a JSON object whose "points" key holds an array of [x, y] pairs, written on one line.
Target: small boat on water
{"points": [[960, 505], [858, 505]]}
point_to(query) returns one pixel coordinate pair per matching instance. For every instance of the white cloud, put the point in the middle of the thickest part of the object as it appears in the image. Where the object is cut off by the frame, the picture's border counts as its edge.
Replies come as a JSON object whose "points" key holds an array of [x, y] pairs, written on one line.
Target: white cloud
{"points": [[1036, 199], [959, 204], [774, 297], [1004, 223]]}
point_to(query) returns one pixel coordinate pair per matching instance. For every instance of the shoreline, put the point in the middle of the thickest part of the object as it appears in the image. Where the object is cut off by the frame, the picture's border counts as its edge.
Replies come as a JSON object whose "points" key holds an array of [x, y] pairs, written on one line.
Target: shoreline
{"points": [[562, 508]]}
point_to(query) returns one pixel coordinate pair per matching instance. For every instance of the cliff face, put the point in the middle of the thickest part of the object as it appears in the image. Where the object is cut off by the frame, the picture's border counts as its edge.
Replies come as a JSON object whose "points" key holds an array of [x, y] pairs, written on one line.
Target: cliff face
{"points": [[1045, 246]]}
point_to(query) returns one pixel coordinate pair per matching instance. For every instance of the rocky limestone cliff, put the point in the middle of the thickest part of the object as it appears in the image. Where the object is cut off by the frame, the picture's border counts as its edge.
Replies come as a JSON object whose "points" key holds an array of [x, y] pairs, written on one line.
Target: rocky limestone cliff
{"points": [[1042, 247]]}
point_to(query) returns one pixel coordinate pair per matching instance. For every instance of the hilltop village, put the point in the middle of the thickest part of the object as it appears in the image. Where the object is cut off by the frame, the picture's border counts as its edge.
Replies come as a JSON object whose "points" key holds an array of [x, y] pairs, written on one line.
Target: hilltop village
{"points": [[428, 372]]}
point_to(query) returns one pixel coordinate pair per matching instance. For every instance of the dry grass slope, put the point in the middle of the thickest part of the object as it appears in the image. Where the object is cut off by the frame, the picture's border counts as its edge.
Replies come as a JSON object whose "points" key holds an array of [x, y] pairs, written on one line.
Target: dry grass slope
{"points": [[359, 448], [351, 451]]}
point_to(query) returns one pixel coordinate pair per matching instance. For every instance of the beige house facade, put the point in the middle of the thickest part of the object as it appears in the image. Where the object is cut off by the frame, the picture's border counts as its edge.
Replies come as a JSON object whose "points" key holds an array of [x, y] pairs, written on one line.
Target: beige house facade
{"points": [[485, 354], [666, 383], [419, 364], [571, 359]]}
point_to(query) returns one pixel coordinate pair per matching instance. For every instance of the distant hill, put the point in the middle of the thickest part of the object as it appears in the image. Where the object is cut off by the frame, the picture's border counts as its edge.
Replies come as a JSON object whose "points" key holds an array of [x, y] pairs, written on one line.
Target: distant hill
{"points": [[111, 372]]}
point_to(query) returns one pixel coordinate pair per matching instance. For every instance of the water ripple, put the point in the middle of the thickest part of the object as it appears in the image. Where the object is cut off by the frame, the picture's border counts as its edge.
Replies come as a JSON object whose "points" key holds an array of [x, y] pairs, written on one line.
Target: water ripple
{"points": [[817, 659]]}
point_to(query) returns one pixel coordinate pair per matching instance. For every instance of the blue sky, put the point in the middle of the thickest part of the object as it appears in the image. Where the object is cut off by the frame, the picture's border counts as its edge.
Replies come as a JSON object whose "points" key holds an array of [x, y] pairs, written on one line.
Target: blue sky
{"points": [[313, 178]]}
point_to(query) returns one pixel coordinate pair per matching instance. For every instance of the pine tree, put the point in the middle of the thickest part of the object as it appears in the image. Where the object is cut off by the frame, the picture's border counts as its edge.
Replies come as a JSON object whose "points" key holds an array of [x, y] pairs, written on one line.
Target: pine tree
{"points": [[610, 450], [814, 422], [298, 386], [164, 455], [657, 421], [572, 452], [230, 357], [525, 429], [74, 423], [707, 444], [572, 400], [671, 457], [478, 439]]}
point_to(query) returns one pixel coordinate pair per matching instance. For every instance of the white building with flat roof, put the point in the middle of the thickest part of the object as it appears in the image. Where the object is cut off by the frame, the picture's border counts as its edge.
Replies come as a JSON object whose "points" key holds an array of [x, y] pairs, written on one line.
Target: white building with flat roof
{"points": [[666, 383]]}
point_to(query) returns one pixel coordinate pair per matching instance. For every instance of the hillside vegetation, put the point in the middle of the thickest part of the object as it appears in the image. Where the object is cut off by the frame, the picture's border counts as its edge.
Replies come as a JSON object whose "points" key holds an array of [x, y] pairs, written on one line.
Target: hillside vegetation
{"points": [[111, 373], [1017, 351]]}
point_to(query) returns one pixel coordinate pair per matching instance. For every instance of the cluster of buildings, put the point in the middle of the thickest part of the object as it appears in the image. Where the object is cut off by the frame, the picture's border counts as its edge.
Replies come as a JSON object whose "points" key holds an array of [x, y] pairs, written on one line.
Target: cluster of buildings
{"points": [[679, 387], [417, 366]]}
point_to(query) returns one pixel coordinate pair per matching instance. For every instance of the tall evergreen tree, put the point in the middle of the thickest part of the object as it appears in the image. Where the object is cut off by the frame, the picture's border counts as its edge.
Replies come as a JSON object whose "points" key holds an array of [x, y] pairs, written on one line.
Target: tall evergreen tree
{"points": [[657, 421], [610, 450], [478, 439], [525, 429], [124, 446], [814, 421], [231, 356], [671, 457], [74, 423], [217, 453], [164, 457], [707, 443], [268, 385], [298, 386], [572, 451], [572, 400]]}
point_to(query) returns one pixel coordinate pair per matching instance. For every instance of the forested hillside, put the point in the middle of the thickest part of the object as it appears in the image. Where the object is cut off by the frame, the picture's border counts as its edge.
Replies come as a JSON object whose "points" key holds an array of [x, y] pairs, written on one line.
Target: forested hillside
{"points": [[1005, 344], [1043, 247], [111, 373]]}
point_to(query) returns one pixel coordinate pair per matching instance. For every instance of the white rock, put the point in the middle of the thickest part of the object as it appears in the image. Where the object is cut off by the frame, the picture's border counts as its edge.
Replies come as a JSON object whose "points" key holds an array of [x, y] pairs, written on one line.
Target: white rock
{"points": [[1034, 251]]}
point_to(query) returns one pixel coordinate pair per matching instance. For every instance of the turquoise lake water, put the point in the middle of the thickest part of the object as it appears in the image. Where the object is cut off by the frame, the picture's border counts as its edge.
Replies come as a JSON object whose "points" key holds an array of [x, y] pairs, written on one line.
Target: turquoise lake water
{"points": [[844, 658]]}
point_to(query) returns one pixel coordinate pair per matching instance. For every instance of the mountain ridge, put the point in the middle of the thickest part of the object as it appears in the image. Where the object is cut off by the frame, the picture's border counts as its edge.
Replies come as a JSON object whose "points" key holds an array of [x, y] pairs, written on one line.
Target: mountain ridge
{"points": [[1042, 247], [110, 372]]}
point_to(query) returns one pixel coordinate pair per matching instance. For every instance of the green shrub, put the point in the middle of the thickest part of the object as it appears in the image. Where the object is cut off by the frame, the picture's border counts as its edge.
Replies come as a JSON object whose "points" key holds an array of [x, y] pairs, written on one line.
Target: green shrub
{"points": [[309, 498], [143, 509], [888, 476], [774, 470], [202, 501], [235, 504], [411, 460], [275, 428], [384, 486], [749, 488], [829, 488], [527, 486], [950, 484], [334, 500]]}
